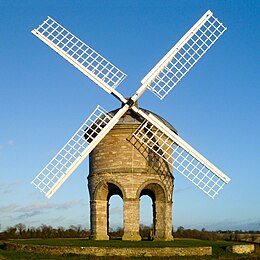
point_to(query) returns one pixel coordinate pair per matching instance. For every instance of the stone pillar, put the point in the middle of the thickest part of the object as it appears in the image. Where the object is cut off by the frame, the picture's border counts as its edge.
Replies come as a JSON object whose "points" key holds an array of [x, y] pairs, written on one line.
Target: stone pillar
{"points": [[98, 220], [163, 221], [168, 221], [131, 219]]}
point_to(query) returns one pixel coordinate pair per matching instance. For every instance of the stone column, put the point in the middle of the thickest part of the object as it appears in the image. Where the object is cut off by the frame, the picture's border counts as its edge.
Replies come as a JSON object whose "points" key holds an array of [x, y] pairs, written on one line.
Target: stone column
{"points": [[163, 221], [98, 221], [168, 221], [131, 219]]}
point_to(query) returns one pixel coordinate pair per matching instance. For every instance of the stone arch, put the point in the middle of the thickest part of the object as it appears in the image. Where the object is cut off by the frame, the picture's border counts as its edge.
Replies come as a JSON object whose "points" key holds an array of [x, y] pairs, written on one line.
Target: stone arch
{"points": [[154, 188], [99, 204], [161, 208], [108, 188]]}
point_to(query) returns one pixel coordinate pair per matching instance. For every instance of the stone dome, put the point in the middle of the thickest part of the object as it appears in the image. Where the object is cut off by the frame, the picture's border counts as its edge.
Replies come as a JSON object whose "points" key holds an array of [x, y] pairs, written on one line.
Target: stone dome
{"points": [[132, 118]]}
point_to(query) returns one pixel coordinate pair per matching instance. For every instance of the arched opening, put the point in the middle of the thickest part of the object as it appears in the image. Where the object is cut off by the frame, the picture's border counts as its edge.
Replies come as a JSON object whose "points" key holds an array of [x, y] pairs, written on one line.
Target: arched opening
{"points": [[147, 225], [115, 217], [147, 214], [161, 209], [100, 218]]}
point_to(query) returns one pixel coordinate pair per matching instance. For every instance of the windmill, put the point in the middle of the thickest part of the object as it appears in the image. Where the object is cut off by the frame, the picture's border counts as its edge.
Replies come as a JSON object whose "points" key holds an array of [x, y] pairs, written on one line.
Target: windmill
{"points": [[152, 133]]}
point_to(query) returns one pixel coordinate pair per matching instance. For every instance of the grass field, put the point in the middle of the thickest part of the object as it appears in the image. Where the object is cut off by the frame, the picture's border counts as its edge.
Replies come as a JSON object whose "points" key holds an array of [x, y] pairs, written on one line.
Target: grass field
{"points": [[218, 247]]}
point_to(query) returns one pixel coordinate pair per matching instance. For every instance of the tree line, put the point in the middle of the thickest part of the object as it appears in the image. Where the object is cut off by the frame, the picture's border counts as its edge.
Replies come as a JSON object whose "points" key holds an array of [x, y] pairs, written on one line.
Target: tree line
{"points": [[227, 235], [20, 231], [44, 231]]}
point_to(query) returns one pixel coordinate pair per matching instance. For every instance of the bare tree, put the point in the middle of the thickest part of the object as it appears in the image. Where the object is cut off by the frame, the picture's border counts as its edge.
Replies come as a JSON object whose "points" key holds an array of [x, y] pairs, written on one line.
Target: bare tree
{"points": [[21, 228]]}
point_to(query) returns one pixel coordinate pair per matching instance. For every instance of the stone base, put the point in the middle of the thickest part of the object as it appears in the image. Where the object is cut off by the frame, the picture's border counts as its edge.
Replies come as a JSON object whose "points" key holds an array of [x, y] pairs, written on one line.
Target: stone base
{"points": [[112, 251], [241, 249], [169, 238], [132, 237], [99, 237]]}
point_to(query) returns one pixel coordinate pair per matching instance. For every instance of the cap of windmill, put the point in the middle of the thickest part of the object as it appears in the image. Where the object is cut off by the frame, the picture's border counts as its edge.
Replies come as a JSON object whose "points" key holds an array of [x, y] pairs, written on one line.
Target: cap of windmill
{"points": [[130, 117]]}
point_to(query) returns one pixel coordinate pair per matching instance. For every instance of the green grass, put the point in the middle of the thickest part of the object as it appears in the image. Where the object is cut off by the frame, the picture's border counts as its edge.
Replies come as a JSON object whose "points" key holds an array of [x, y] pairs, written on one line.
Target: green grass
{"points": [[218, 247]]}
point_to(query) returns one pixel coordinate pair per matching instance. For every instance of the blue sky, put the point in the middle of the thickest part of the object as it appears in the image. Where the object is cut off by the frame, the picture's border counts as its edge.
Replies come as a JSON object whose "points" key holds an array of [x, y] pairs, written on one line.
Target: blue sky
{"points": [[215, 108]]}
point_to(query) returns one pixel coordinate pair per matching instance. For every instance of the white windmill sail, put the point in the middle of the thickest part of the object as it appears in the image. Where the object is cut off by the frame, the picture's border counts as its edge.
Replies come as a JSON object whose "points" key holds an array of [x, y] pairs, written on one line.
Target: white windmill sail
{"points": [[160, 80], [183, 158], [91, 132], [79, 54], [184, 55]]}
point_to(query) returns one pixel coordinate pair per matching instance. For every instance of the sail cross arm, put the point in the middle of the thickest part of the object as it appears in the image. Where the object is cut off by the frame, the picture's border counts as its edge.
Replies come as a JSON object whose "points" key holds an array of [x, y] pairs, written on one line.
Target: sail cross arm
{"points": [[184, 55], [80, 55], [86, 138], [183, 158]]}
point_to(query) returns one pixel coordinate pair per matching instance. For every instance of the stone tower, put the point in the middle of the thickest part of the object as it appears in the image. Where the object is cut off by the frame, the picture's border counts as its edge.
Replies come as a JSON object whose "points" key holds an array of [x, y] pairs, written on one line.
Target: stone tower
{"points": [[117, 167]]}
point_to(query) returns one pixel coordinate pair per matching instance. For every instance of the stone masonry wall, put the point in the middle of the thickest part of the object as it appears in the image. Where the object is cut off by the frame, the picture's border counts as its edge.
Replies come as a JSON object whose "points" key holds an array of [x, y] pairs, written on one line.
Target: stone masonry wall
{"points": [[117, 167], [112, 251]]}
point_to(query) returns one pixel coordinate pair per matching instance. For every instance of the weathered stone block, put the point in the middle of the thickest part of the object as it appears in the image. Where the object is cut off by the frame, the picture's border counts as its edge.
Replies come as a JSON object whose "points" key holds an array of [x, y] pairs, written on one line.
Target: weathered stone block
{"points": [[241, 249]]}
